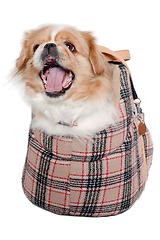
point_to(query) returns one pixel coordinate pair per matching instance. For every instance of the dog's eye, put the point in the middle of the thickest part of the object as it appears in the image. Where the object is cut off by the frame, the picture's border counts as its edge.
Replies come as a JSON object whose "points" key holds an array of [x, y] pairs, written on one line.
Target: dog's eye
{"points": [[35, 47], [70, 46]]}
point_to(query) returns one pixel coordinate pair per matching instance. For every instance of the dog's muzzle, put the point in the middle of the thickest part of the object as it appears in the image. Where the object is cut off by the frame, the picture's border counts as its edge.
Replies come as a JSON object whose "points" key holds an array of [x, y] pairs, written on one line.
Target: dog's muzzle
{"points": [[56, 79]]}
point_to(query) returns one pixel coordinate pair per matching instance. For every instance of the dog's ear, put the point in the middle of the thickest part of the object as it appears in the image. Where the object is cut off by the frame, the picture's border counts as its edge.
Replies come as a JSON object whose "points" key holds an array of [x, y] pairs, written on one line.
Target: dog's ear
{"points": [[96, 57], [21, 61]]}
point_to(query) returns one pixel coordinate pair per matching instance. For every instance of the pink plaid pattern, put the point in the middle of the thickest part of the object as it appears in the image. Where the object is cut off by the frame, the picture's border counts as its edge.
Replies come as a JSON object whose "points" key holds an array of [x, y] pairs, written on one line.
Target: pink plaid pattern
{"points": [[99, 177]]}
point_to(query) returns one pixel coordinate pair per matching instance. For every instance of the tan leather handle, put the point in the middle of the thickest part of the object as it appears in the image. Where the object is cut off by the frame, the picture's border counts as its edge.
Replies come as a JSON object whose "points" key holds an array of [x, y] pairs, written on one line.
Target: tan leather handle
{"points": [[121, 56], [118, 56], [125, 54]]}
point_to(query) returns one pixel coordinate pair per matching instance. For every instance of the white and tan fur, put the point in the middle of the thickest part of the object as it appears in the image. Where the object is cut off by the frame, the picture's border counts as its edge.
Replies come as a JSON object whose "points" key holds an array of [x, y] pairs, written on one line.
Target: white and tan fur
{"points": [[90, 104]]}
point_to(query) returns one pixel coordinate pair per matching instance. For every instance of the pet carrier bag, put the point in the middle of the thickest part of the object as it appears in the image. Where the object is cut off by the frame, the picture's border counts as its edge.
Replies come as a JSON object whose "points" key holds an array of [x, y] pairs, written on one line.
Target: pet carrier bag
{"points": [[101, 176]]}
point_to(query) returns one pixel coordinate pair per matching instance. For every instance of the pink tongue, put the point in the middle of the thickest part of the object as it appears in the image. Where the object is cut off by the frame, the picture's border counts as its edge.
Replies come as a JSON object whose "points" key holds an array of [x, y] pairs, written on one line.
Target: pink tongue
{"points": [[55, 80]]}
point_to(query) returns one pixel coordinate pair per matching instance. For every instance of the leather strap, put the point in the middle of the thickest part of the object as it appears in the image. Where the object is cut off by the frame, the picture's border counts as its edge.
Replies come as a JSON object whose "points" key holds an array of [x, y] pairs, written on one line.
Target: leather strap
{"points": [[125, 54], [143, 152], [117, 56], [144, 159]]}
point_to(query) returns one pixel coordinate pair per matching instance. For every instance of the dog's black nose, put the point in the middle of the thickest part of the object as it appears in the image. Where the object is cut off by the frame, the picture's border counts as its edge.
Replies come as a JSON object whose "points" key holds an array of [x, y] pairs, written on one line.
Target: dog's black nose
{"points": [[50, 48]]}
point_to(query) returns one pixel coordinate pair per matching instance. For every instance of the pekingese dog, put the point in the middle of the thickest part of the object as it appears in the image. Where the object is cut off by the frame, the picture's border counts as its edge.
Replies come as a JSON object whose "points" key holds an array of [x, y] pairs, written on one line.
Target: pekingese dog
{"points": [[72, 88]]}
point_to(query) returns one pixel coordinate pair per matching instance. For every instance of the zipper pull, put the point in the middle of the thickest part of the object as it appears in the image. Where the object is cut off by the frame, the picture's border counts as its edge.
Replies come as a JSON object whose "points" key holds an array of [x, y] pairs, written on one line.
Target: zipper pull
{"points": [[142, 126]]}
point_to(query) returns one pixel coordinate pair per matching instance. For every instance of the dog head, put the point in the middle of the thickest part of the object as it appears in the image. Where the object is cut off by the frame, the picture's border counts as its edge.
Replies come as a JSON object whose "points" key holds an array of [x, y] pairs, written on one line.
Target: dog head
{"points": [[61, 62]]}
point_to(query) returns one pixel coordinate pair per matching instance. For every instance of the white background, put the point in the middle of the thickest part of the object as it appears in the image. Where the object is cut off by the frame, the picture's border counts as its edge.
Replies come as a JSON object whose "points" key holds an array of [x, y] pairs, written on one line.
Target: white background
{"points": [[133, 25]]}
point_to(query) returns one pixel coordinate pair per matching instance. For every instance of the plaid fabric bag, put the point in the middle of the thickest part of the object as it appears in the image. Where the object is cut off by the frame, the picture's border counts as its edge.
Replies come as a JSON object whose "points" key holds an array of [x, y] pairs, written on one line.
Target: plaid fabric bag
{"points": [[99, 177]]}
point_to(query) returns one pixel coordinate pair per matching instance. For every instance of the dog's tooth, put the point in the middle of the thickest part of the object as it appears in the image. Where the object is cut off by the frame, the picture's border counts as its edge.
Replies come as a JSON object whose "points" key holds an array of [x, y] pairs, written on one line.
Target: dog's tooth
{"points": [[66, 81]]}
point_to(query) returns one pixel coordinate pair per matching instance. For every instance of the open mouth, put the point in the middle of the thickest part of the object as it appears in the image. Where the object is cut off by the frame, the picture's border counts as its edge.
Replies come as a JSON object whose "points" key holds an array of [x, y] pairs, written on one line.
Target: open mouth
{"points": [[56, 79]]}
